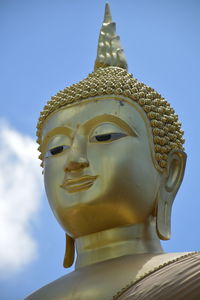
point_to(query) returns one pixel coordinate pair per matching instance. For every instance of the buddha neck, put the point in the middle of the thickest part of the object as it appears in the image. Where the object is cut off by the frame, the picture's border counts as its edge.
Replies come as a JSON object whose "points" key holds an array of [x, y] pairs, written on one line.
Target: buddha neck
{"points": [[116, 242]]}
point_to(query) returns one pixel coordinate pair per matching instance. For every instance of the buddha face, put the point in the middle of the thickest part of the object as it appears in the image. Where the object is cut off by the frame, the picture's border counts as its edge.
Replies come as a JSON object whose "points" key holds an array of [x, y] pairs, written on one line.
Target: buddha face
{"points": [[98, 167]]}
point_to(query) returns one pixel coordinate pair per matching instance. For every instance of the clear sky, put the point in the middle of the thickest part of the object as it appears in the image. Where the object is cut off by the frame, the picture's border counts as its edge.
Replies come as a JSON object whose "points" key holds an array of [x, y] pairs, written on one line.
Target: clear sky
{"points": [[47, 45]]}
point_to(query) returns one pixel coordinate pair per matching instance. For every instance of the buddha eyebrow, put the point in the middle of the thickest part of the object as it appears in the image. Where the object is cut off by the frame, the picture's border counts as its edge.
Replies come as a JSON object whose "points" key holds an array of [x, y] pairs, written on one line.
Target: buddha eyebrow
{"points": [[58, 130], [113, 119]]}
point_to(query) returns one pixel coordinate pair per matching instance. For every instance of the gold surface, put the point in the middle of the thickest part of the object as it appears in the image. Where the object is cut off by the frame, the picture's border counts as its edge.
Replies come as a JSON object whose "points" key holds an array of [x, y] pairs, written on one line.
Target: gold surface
{"points": [[101, 176], [166, 128], [113, 162], [179, 279], [111, 78], [102, 281], [109, 51]]}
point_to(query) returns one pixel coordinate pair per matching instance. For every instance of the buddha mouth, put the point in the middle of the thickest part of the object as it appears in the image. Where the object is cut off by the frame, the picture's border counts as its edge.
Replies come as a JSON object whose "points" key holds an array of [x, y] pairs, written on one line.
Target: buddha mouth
{"points": [[78, 184]]}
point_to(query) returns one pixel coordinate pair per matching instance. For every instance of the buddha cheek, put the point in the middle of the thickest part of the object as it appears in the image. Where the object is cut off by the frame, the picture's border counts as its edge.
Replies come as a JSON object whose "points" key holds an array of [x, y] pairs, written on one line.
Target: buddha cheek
{"points": [[125, 166], [53, 178], [142, 188]]}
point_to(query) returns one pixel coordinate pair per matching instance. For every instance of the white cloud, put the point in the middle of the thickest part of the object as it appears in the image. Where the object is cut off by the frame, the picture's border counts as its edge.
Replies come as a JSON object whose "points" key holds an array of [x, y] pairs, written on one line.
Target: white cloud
{"points": [[20, 194]]}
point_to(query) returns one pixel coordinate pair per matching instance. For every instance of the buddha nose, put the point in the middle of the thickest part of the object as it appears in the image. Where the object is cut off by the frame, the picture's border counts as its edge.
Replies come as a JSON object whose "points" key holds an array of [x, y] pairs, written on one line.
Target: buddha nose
{"points": [[77, 164], [77, 158]]}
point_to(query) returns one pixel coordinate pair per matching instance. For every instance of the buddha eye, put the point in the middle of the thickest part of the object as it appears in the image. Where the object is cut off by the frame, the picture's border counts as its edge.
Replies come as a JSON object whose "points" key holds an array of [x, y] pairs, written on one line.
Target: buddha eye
{"points": [[108, 137], [56, 150]]}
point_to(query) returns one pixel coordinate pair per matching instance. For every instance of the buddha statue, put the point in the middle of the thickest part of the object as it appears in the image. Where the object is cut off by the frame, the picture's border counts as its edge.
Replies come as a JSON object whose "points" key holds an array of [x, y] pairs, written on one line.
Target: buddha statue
{"points": [[113, 158]]}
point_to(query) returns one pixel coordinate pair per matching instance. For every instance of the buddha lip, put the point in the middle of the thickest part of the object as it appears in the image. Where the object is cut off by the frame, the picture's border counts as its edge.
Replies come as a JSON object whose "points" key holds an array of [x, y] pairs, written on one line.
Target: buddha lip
{"points": [[78, 184]]}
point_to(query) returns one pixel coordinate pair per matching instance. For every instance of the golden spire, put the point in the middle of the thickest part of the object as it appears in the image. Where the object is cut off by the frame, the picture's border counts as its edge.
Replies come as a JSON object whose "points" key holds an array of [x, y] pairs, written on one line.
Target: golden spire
{"points": [[109, 52]]}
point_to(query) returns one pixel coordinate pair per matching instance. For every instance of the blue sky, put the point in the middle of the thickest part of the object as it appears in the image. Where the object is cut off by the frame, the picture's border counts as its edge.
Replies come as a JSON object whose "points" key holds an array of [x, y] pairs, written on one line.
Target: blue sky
{"points": [[47, 45]]}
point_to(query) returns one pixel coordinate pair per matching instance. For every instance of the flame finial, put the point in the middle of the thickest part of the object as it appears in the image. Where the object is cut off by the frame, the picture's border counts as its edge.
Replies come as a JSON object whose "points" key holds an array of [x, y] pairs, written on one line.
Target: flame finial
{"points": [[109, 52]]}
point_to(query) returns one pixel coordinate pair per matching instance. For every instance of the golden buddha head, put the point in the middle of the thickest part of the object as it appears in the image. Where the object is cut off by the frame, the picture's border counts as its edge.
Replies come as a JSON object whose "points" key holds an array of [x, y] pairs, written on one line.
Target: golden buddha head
{"points": [[111, 148]]}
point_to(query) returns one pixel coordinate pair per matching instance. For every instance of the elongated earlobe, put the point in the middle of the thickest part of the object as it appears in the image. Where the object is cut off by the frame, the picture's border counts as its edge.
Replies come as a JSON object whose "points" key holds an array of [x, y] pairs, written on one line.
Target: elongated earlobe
{"points": [[167, 192], [163, 220], [69, 252]]}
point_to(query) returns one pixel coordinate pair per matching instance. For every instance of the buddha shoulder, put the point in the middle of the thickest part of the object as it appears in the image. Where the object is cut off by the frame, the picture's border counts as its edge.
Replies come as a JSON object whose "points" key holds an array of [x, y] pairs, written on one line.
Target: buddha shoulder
{"points": [[110, 277], [60, 289], [179, 279]]}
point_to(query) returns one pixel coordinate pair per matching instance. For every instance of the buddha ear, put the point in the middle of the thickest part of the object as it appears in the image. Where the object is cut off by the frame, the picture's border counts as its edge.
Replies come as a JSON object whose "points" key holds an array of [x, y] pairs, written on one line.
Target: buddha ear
{"points": [[171, 182], [69, 252]]}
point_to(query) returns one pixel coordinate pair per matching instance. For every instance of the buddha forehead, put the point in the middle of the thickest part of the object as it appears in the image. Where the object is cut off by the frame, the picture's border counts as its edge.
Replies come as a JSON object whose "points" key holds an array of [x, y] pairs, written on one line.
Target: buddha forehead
{"points": [[90, 112]]}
